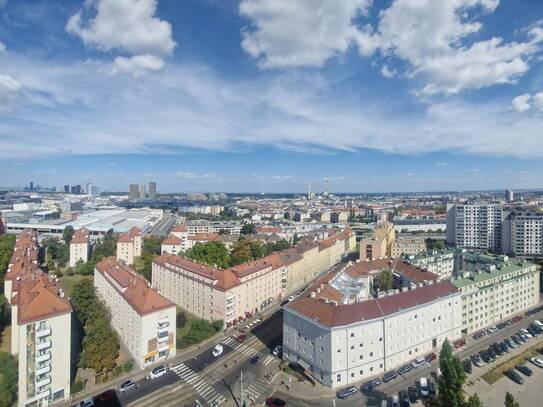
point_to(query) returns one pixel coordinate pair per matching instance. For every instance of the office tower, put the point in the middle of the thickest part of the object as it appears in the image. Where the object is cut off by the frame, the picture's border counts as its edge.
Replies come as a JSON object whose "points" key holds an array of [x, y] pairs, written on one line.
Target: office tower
{"points": [[152, 190], [143, 194], [31, 186], [89, 189], [509, 195], [66, 189], [133, 193], [72, 189], [475, 226]]}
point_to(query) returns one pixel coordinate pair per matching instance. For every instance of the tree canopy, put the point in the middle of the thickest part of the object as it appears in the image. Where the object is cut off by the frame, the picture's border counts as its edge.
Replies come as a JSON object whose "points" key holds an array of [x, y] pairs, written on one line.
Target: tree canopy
{"points": [[452, 379], [8, 379], [211, 253], [150, 249], [384, 280], [510, 401], [67, 234], [248, 229], [7, 242], [435, 244]]}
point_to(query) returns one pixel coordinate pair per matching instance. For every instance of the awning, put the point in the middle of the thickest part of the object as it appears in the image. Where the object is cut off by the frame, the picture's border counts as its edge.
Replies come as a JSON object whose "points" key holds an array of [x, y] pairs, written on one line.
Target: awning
{"points": [[303, 364]]}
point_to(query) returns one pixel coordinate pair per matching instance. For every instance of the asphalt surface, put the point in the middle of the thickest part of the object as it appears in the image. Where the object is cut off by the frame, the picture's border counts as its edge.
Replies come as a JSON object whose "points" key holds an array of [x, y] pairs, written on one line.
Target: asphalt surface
{"points": [[163, 226]]}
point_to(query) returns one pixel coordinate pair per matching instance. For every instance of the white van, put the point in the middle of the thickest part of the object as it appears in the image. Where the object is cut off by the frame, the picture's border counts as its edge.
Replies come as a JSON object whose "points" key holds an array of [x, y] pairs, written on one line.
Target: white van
{"points": [[538, 322], [424, 387]]}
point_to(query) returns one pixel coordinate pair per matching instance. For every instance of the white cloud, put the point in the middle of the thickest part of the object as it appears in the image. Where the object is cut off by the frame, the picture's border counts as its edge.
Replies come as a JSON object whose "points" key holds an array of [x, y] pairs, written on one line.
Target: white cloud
{"points": [[2, 47], [126, 25], [9, 89], [388, 73], [522, 103], [187, 175], [299, 33], [538, 101], [137, 65]]}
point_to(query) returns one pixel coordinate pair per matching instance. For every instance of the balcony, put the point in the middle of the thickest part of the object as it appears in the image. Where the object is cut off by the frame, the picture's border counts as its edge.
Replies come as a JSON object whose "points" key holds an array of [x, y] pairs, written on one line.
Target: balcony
{"points": [[43, 370], [163, 320], [43, 345], [163, 339], [43, 382], [40, 333], [43, 358]]}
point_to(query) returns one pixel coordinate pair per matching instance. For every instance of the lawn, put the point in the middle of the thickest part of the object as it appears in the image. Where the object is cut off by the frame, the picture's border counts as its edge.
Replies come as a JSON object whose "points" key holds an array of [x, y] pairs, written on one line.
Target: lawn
{"points": [[68, 282], [194, 331], [495, 374], [5, 339]]}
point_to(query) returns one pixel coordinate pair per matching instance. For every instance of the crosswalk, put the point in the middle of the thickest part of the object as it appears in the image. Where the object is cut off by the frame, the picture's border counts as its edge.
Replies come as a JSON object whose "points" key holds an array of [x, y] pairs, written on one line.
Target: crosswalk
{"points": [[211, 396], [256, 389], [240, 347]]}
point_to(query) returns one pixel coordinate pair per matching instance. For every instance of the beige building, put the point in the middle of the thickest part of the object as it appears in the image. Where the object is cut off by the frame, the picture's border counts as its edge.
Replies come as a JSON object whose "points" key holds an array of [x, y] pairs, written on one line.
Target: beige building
{"points": [[494, 288], [406, 246], [440, 263], [239, 292], [79, 246], [144, 320], [378, 246], [340, 334], [41, 326], [129, 245]]}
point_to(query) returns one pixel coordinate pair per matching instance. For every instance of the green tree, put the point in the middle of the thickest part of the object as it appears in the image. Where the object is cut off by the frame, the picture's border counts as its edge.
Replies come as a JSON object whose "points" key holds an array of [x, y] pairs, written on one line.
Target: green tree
{"points": [[8, 379], [474, 401], [384, 280], [452, 378], [3, 312], [248, 229], [150, 249], [212, 253], [435, 244], [7, 243], [287, 215], [67, 234], [84, 268], [241, 252], [510, 401], [105, 247]]}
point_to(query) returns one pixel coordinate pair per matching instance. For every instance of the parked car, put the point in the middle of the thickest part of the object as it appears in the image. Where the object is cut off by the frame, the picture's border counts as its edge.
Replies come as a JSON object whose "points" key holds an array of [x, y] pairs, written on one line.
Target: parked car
{"points": [[85, 403], [514, 376], [413, 394], [404, 398], [217, 350], [532, 331], [431, 357], [432, 388], [347, 392], [369, 386], [157, 371], [512, 344], [497, 349], [390, 375], [485, 356], [275, 402], [525, 370], [394, 401], [468, 368], [278, 351], [424, 387], [405, 368], [254, 360], [107, 398], [127, 385], [538, 362], [501, 325], [417, 362], [241, 338], [492, 329], [477, 361], [459, 343], [528, 334]]}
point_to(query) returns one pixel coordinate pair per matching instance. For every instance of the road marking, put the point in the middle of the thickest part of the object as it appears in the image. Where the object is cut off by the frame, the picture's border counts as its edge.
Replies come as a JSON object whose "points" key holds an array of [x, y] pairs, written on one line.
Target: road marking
{"points": [[199, 385], [267, 360]]}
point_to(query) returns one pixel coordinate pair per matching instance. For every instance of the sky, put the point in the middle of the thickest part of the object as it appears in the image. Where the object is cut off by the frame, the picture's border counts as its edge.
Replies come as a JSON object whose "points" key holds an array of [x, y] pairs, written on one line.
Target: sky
{"points": [[266, 95]]}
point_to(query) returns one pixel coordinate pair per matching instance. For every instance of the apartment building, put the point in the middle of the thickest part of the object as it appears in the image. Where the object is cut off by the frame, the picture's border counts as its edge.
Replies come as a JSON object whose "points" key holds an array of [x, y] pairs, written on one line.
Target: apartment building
{"points": [[526, 229], [340, 334], [79, 246], [439, 263], [494, 288], [41, 323], [129, 245], [239, 292], [144, 319], [406, 246], [194, 227], [378, 245], [475, 226]]}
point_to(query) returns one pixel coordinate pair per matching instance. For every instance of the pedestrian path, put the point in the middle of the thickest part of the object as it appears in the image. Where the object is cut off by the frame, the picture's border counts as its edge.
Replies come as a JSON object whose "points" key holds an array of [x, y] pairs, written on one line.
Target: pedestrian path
{"points": [[211, 396], [256, 390], [268, 360], [240, 347]]}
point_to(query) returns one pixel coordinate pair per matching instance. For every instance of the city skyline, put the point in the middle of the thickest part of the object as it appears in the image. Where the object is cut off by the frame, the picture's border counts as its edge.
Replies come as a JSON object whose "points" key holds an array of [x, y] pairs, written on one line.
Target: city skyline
{"points": [[252, 101]]}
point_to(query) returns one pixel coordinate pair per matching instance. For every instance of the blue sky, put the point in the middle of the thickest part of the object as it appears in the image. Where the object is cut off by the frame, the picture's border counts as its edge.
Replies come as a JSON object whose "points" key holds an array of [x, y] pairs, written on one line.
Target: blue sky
{"points": [[264, 95]]}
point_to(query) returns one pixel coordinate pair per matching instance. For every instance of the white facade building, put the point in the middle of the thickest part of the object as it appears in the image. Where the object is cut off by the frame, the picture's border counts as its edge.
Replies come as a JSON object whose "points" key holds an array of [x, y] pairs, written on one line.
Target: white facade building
{"points": [[79, 247], [439, 263]]}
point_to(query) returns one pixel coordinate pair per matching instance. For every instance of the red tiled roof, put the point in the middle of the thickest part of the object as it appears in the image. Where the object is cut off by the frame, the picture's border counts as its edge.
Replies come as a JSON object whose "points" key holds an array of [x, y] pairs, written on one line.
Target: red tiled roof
{"points": [[268, 230], [204, 237], [172, 240], [125, 238], [134, 231], [135, 289], [412, 273], [180, 229], [80, 236]]}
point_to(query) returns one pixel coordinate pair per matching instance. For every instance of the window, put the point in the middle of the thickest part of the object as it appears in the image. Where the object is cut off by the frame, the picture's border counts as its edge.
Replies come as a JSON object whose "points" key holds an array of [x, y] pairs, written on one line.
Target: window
{"points": [[352, 375], [352, 347], [339, 351], [338, 378], [361, 372], [381, 365], [352, 334], [371, 354]]}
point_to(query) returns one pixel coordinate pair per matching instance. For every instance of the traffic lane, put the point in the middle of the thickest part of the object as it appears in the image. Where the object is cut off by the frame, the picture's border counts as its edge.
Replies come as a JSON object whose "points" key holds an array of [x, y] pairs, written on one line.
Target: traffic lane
{"points": [[146, 386], [205, 358]]}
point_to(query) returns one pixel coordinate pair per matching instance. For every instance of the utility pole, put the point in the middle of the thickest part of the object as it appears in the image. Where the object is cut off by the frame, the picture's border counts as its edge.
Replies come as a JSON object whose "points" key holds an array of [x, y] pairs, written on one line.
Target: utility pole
{"points": [[241, 398]]}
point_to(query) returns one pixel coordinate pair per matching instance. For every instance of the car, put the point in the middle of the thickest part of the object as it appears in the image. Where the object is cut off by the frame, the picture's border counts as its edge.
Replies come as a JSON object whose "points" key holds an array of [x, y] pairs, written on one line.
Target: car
{"points": [[292, 297], [217, 350], [431, 357], [501, 325], [413, 394], [241, 338], [504, 346], [85, 403], [538, 322], [127, 385], [254, 360], [107, 398], [404, 398], [532, 331], [157, 371], [347, 392], [512, 344], [417, 362], [390, 375], [514, 376], [492, 329], [405, 368], [459, 343], [497, 349], [467, 366], [432, 388], [477, 361], [275, 402], [485, 356], [278, 351], [527, 333], [394, 401], [525, 370], [424, 387], [370, 385], [538, 362]]}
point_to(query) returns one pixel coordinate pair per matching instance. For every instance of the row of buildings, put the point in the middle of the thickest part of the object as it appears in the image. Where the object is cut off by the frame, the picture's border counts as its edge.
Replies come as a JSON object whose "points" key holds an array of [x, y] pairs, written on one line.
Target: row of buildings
{"points": [[236, 293], [491, 226], [340, 332]]}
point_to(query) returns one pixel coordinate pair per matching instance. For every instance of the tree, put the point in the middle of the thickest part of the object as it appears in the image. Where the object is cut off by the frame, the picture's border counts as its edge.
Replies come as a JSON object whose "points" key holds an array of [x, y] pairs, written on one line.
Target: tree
{"points": [[105, 247], [8, 379], [212, 253], [452, 378], [67, 234], [474, 401], [241, 252], [7, 243], [180, 319], [3, 312], [384, 280], [224, 232], [287, 215], [435, 244], [150, 249], [248, 229], [510, 400]]}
